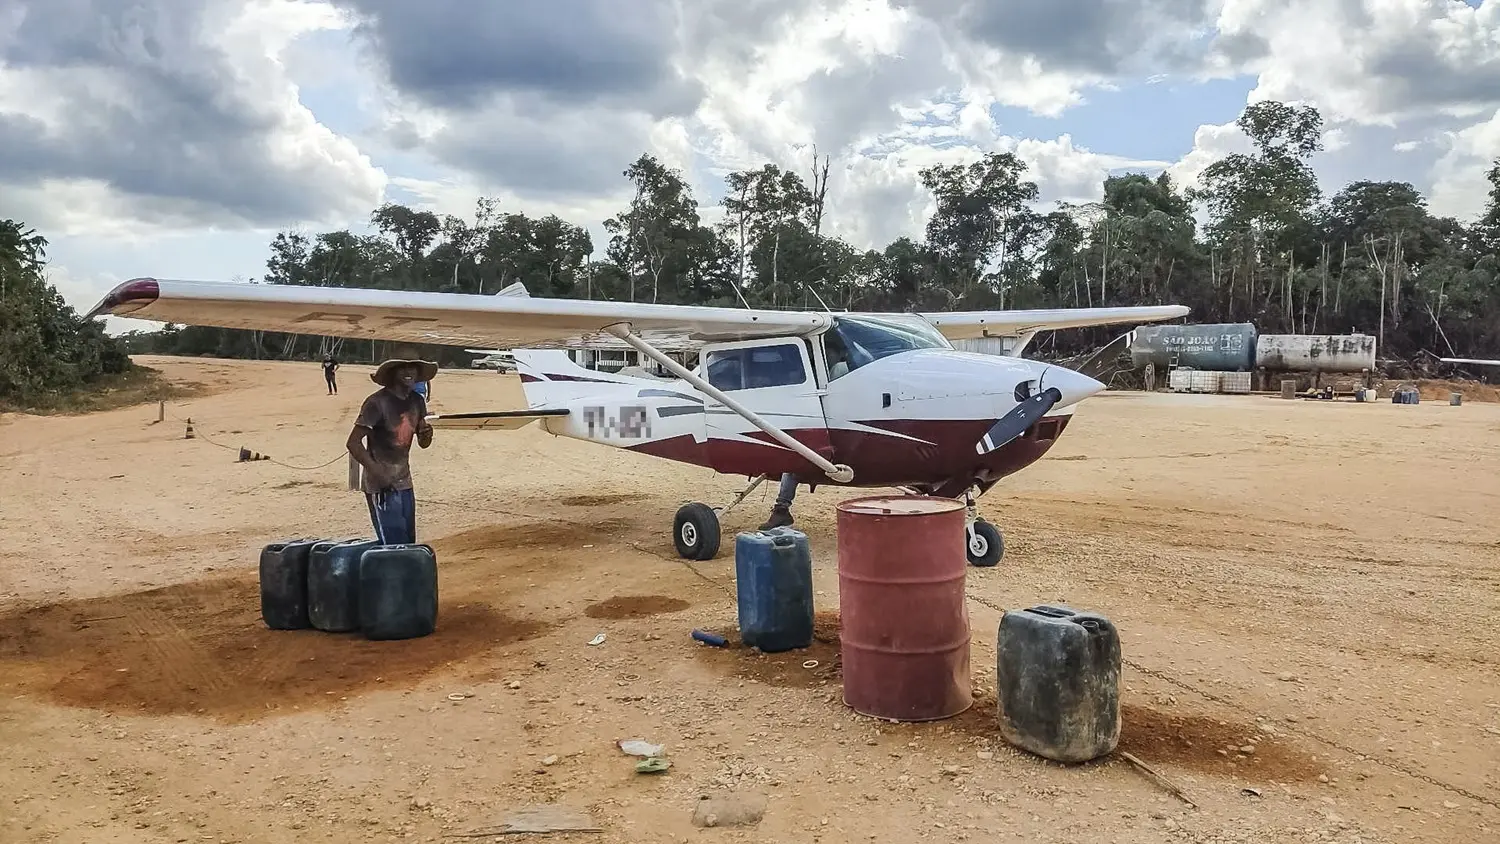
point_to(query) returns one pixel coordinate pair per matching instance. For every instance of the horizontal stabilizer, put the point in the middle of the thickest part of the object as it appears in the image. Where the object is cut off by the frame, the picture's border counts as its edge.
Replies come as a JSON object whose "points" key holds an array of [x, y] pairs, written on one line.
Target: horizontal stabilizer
{"points": [[503, 420]]}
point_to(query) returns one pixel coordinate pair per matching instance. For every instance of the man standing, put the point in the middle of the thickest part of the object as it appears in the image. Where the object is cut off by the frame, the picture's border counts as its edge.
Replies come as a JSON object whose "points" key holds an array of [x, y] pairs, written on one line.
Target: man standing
{"points": [[381, 443], [330, 366]]}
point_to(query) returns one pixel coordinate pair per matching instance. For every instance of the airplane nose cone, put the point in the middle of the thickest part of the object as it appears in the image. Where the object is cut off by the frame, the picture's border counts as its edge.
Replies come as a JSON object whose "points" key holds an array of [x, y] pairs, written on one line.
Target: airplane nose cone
{"points": [[1074, 386]]}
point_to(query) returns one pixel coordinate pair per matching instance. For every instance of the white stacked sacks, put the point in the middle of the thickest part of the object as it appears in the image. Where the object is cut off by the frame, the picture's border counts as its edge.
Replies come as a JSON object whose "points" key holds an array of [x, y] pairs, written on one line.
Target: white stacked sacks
{"points": [[1204, 381], [1235, 382]]}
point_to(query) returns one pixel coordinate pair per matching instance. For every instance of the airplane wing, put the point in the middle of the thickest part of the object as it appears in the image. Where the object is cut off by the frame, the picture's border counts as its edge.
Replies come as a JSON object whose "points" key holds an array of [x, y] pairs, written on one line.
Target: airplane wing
{"points": [[513, 319], [1474, 361], [969, 325], [454, 319]]}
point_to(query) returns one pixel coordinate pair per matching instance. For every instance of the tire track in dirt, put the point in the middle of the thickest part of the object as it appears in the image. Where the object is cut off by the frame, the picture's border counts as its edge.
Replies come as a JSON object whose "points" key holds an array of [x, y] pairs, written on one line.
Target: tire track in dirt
{"points": [[174, 655]]}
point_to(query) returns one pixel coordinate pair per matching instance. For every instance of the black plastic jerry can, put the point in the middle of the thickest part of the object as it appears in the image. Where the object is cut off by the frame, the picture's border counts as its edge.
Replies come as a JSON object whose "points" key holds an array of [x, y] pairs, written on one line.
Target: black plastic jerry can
{"points": [[333, 585], [1057, 682], [398, 592], [283, 584]]}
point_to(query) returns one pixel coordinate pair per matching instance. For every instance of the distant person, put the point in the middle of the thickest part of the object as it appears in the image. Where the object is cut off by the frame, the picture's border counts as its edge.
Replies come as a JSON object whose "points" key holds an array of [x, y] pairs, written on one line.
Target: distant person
{"points": [[381, 443], [423, 389], [330, 368]]}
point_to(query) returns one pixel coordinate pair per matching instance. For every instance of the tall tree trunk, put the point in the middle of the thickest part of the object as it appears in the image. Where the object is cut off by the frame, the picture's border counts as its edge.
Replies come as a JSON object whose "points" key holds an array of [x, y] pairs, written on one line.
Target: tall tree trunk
{"points": [[1104, 267], [1322, 290], [1338, 294]]}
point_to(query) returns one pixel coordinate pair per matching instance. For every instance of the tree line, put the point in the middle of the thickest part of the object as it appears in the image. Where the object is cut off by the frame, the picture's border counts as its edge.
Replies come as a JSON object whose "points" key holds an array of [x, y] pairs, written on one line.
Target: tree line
{"points": [[47, 350], [1274, 251]]}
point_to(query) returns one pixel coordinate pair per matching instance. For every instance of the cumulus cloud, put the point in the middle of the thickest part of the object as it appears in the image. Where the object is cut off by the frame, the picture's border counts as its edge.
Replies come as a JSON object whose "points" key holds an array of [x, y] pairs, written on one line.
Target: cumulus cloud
{"points": [[1368, 61], [1459, 188], [118, 118], [1097, 38], [1210, 143], [158, 113], [459, 54]]}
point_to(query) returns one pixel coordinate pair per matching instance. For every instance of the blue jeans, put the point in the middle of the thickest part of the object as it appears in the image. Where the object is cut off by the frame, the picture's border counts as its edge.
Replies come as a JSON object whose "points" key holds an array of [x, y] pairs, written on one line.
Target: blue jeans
{"points": [[788, 490], [394, 514]]}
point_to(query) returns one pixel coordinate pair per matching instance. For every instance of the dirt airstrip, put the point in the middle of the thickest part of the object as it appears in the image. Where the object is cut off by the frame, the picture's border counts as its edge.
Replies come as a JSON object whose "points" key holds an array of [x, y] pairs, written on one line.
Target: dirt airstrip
{"points": [[1307, 595]]}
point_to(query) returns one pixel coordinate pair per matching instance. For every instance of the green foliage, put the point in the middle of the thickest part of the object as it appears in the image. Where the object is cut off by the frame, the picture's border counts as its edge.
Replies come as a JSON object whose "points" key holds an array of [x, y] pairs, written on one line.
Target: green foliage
{"points": [[47, 352], [1271, 251]]}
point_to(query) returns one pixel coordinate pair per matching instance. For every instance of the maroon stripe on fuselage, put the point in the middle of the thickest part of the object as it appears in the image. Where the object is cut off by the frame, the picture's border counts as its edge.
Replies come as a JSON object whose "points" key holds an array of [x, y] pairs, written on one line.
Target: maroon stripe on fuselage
{"points": [[947, 456], [527, 378], [683, 449], [553, 377]]}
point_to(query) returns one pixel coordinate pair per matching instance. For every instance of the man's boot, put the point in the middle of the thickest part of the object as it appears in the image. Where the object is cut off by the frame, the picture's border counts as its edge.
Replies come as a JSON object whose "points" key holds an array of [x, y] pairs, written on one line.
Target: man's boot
{"points": [[781, 516]]}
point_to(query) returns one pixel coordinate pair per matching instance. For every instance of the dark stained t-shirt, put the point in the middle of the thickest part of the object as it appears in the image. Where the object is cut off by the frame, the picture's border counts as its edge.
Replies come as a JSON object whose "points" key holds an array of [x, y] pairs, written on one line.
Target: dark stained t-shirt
{"points": [[392, 422]]}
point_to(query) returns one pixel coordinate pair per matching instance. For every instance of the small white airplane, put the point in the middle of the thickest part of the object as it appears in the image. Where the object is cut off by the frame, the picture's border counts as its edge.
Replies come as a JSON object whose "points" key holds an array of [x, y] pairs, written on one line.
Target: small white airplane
{"points": [[850, 399]]}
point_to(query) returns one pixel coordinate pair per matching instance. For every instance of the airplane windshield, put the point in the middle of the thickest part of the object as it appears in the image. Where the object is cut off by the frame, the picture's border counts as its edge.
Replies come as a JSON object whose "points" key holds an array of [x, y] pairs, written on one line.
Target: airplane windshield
{"points": [[856, 341]]}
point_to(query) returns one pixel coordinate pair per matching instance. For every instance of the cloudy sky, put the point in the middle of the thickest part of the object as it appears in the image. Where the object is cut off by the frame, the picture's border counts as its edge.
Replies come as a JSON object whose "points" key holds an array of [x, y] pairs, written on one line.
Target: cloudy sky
{"points": [[174, 137]]}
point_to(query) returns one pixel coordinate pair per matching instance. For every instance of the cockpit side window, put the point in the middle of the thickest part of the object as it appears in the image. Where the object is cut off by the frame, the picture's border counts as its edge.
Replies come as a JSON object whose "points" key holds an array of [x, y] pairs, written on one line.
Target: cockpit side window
{"points": [[857, 341], [756, 367], [726, 369]]}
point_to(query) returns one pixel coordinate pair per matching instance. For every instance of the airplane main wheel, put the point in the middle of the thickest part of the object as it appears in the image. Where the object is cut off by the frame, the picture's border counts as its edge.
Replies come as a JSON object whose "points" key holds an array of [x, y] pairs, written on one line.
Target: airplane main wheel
{"points": [[986, 545], [695, 532]]}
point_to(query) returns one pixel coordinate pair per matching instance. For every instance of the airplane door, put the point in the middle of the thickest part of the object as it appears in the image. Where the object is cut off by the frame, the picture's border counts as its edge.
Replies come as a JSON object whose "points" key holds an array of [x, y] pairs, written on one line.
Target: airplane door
{"points": [[774, 379]]}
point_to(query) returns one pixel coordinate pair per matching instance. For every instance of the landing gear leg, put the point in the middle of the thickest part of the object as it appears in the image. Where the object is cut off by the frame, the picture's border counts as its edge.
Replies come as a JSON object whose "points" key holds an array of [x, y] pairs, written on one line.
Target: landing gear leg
{"points": [[985, 545], [696, 531]]}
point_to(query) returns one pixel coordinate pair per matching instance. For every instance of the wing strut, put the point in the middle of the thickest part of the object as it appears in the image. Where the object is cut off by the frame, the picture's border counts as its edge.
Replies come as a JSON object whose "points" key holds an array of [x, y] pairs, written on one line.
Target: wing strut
{"points": [[839, 473]]}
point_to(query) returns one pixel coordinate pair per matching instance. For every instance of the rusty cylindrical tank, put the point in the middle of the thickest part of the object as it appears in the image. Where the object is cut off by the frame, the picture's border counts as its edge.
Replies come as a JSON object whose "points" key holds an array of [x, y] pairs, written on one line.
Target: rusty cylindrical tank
{"points": [[904, 621], [1315, 352]]}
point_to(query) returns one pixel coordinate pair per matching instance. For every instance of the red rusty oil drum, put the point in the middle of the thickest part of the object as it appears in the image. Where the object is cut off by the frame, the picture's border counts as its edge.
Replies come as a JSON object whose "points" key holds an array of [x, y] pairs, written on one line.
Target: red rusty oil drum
{"points": [[904, 621]]}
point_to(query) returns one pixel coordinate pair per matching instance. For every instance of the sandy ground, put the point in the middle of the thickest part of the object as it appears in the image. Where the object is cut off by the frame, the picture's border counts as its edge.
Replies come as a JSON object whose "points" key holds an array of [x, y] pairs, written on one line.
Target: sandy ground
{"points": [[1318, 580]]}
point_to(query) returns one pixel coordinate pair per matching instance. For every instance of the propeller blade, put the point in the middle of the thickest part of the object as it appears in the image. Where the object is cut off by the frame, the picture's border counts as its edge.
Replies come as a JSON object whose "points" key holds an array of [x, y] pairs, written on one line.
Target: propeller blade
{"points": [[1015, 423]]}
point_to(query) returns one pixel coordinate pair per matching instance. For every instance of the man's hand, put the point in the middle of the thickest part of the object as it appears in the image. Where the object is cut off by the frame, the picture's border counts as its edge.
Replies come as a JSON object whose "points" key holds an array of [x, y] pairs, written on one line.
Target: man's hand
{"points": [[424, 434]]}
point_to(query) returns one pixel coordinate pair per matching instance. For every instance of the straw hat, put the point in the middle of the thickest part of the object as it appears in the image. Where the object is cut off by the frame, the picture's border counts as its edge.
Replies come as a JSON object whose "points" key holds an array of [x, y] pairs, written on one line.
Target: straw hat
{"points": [[426, 371]]}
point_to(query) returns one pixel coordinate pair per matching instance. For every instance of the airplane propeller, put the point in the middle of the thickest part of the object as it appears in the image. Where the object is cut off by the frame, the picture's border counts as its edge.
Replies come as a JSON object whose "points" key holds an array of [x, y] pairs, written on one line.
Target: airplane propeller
{"points": [[1015, 423]]}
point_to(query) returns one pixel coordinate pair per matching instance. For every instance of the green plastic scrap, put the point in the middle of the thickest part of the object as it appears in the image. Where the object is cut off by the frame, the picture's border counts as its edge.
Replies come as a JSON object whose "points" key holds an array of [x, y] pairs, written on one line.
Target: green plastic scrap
{"points": [[653, 765]]}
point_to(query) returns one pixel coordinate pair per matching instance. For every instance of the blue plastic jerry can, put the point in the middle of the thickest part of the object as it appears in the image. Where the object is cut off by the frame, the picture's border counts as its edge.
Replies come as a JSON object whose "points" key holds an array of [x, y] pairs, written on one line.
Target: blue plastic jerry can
{"points": [[773, 573]]}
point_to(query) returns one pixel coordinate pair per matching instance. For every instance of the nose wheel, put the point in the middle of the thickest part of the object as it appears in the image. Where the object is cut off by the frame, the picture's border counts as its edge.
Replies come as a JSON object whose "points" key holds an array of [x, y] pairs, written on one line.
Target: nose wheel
{"points": [[985, 545]]}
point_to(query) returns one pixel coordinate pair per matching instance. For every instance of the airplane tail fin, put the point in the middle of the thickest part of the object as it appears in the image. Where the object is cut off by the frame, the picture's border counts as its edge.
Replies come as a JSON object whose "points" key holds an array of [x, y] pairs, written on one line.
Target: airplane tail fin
{"points": [[1109, 359]]}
